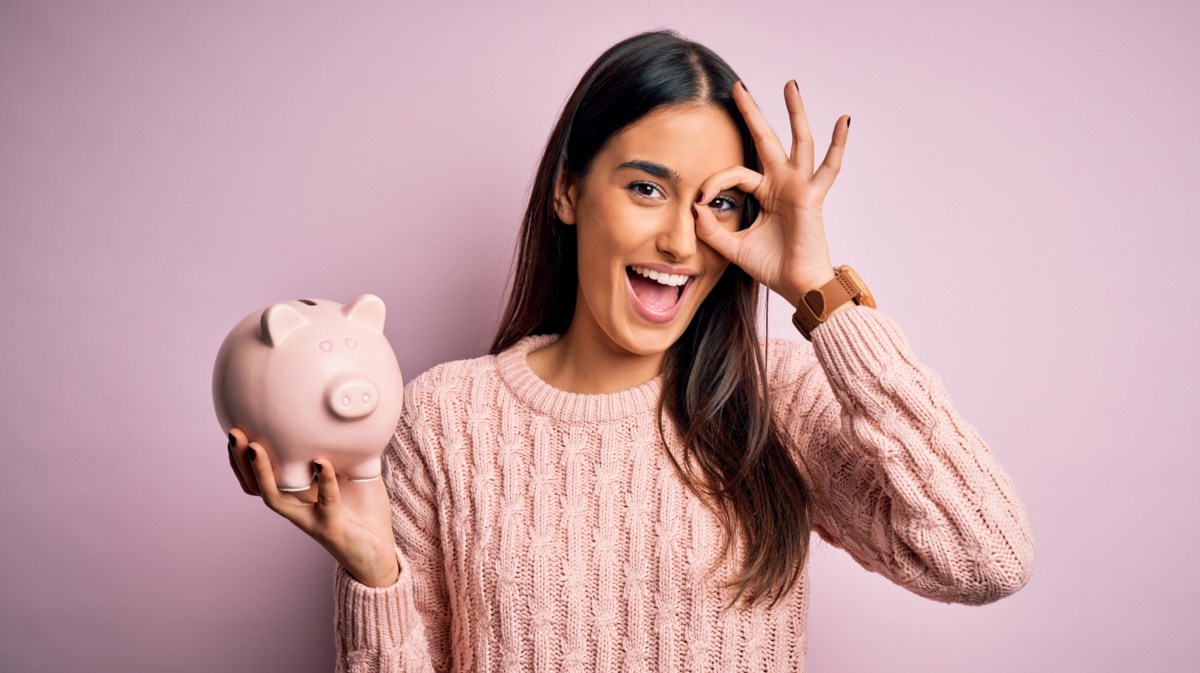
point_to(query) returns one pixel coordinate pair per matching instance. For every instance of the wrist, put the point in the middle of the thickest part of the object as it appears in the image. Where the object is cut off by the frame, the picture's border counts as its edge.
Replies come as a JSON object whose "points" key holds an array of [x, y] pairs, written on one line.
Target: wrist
{"points": [[816, 305], [378, 574], [385, 579], [812, 281]]}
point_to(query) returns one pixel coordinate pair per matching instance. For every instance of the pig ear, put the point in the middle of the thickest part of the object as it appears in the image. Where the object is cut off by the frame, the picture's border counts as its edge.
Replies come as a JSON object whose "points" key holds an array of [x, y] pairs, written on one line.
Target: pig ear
{"points": [[367, 308], [279, 321]]}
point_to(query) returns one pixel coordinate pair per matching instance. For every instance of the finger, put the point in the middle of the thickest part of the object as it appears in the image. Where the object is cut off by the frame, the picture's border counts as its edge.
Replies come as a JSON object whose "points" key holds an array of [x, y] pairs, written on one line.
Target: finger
{"points": [[739, 177], [770, 150], [727, 243], [260, 463], [238, 473], [241, 462], [832, 164], [802, 142], [329, 495]]}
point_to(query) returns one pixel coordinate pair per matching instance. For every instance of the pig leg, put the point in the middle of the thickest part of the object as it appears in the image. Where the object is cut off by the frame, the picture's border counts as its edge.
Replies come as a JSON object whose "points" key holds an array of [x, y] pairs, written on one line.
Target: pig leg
{"points": [[294, 477], [369, 470]]}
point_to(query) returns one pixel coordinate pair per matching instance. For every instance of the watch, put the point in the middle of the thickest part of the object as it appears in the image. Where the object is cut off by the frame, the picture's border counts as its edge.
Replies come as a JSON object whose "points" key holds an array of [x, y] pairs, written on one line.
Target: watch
{"points": [[816, 305]]}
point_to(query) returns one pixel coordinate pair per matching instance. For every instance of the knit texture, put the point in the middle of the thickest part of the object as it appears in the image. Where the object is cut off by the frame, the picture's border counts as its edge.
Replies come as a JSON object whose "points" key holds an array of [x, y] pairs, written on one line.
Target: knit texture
{"points": [[541, 530]]}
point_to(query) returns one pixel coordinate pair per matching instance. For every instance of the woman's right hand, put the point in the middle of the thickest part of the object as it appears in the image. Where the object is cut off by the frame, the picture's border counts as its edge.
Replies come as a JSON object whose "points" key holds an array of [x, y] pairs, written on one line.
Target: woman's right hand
{"points": [[352, 520]]}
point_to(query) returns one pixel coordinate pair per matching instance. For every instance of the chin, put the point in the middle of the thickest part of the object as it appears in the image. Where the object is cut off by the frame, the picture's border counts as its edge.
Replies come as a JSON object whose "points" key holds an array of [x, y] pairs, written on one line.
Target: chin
{"points": [[640, 337]]}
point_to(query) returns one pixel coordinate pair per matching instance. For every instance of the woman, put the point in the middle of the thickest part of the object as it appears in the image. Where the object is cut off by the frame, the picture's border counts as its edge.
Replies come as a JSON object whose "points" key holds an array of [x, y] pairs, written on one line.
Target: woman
{"points": [[630, 478]]}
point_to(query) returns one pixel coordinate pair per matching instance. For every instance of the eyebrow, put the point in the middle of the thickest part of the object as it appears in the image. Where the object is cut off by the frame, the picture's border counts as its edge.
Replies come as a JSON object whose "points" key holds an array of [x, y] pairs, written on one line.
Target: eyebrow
{"points": [[657, 170]]}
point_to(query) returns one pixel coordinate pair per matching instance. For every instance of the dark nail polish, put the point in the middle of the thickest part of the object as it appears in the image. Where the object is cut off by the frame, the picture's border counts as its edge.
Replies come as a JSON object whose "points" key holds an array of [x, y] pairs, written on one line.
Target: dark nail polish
{"points": [[231, 442], [847, 122], [744, 87], [250, 451], [795, 86], [700, 197], [317, 467]]}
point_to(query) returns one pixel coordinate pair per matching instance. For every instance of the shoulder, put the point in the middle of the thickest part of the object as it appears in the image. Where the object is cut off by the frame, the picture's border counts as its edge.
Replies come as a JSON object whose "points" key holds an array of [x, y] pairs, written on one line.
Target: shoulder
{"points": [[448, 379], [439, 402], [787, 360]]}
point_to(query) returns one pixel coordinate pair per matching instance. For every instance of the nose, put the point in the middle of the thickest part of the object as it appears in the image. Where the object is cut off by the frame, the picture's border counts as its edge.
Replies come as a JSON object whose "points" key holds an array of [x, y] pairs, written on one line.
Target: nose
{"points": [[678, 237], [351, 398]]}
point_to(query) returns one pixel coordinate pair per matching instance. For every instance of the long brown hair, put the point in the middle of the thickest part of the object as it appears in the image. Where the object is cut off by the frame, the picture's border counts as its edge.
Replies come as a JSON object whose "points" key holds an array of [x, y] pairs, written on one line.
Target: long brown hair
{"points": [[715, 376]]}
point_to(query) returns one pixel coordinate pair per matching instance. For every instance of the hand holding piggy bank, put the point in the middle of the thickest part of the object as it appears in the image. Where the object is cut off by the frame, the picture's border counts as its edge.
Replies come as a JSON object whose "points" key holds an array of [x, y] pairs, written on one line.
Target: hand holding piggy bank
{"points": [[310, 379]]}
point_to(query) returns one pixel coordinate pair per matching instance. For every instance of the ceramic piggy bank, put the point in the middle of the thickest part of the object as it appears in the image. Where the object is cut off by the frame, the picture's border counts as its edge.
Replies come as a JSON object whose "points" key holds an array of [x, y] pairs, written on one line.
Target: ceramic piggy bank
{"points": [[309, 379]]}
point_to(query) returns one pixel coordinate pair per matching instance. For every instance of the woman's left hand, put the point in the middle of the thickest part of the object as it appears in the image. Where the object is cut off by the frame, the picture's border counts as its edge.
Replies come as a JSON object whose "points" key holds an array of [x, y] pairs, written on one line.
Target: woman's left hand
{"points": [[784, 248]]}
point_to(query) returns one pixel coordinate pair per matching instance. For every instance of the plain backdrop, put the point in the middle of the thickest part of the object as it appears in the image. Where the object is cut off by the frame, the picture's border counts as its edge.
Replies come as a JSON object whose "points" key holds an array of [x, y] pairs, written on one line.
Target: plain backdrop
{"points": [[1019, 191]]}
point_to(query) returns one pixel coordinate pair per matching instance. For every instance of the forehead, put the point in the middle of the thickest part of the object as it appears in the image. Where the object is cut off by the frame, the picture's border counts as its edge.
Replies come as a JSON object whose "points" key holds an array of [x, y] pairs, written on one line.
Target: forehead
{"points": [[691, 139]]}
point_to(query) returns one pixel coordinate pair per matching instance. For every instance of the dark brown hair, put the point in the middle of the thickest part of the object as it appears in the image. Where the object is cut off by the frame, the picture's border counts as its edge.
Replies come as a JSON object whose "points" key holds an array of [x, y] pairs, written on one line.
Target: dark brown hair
{"points": [[714, 377]]}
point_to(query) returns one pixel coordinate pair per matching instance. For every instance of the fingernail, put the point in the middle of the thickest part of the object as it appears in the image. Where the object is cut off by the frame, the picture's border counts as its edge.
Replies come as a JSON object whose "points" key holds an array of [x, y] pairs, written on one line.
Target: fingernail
{"points": [[231, 442], [700, 197], [744, 87], [795, 86], [847, 122], [317, 467], [250, 450]]}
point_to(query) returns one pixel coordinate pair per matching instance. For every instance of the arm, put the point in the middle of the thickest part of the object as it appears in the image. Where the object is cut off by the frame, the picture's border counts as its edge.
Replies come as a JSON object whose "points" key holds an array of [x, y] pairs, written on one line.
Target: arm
{"points": [[898, 479], [403, 627]]}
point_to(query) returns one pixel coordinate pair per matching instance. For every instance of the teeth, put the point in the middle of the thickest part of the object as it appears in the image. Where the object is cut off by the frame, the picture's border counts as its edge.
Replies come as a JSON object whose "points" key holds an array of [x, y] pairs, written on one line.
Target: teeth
{"points": [[674, 280]]}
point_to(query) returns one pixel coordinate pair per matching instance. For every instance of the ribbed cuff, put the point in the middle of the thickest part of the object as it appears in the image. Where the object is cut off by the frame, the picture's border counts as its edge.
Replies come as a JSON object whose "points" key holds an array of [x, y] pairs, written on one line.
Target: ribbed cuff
{"points": [[859, 341], [375, 618]]}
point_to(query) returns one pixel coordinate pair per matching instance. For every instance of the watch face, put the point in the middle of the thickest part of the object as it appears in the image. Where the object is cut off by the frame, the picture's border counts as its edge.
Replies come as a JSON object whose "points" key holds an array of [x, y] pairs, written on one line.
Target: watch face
{"points": [[865, 297]]}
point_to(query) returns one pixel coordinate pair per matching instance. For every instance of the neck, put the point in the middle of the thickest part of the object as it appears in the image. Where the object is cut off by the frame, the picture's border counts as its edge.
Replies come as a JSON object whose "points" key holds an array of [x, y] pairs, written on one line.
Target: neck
{"points": [[585, 361]]}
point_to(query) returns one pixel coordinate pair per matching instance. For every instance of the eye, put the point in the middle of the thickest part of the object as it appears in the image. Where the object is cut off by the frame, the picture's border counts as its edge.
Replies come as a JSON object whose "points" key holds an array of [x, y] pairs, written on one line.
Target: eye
{"points": [[645, 190], [723, 204]]}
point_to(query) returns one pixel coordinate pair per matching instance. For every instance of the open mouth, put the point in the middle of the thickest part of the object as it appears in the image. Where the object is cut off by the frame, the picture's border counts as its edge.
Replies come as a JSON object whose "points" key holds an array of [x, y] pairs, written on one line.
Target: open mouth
{"points": [[657, 291]]}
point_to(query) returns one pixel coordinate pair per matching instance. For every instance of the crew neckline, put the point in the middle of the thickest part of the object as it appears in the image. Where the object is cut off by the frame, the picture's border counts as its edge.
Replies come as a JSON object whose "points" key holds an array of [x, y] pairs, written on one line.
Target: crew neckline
{"points": [[545, 399]]}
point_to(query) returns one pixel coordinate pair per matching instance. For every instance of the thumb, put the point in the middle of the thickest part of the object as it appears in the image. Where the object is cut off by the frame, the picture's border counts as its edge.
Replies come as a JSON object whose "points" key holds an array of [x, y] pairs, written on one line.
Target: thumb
{"points": [[725, 242]]}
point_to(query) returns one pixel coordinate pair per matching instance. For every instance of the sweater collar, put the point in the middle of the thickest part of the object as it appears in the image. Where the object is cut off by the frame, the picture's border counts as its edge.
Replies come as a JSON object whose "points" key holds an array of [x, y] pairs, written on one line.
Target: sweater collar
{"points": [[544, 398]]}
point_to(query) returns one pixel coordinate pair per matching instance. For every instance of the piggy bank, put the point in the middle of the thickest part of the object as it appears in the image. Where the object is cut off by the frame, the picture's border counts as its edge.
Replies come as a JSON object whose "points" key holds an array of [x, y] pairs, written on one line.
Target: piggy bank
{"points": [[310, 379]]}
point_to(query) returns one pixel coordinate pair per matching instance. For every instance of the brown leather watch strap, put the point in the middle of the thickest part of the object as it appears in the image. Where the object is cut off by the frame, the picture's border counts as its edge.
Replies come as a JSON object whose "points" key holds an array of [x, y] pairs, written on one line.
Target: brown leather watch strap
{"points": [[816, 304]]}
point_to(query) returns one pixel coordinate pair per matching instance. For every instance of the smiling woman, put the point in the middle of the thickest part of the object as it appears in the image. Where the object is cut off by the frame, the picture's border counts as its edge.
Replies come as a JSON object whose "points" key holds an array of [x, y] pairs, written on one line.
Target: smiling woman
{"points": [[635, 208], [630, 479]]}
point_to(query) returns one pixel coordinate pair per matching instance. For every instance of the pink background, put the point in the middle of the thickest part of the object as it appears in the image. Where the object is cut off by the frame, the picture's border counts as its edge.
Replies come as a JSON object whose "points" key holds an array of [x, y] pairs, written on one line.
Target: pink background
{"points": [[1019, 191]]}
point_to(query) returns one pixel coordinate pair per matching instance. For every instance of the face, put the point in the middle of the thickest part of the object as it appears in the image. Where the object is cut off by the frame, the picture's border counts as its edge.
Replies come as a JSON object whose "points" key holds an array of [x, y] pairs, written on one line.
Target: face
{"points": [[634, 217]]}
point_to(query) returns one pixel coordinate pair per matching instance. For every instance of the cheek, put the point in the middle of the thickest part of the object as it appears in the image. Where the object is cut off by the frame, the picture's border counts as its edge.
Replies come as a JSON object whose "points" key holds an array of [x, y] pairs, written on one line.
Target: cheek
{"points": [[595, 252], [731, 222], [709, 285], [717, 265], [608, 233], [714, 261]]}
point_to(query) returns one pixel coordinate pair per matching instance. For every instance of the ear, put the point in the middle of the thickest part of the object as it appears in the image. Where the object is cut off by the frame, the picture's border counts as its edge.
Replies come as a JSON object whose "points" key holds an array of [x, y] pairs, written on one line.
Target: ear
{"points": [[278, 321], [566, 191], [367, 308]]}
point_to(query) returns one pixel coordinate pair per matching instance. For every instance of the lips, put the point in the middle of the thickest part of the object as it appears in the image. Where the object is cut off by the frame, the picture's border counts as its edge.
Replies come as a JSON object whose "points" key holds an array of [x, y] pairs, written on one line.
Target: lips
{"points": [[652, 305]]}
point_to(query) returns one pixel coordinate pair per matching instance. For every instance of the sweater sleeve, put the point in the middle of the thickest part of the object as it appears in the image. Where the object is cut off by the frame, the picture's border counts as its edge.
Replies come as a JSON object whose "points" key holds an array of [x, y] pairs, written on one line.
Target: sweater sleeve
{"points": [[897, 478], [402, 627]]}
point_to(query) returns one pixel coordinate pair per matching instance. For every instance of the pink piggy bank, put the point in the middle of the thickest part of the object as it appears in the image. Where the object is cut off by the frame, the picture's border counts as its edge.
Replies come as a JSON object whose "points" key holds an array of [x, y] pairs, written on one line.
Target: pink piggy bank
{"points": [[312, 379]]}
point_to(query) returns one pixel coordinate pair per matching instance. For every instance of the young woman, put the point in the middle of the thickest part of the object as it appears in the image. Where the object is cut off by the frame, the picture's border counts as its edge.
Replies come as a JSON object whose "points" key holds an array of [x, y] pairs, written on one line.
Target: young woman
{"points": [[629, 480]]}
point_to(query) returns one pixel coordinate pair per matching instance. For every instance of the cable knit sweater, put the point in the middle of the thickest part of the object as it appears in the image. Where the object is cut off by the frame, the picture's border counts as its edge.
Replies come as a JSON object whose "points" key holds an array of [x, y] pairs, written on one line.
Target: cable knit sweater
{"points": [[541, 530]]}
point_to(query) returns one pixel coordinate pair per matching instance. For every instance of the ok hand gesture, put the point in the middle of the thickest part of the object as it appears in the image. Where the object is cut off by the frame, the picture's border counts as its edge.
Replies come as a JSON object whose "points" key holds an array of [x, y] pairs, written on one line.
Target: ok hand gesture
{"points": [[784, 248]]}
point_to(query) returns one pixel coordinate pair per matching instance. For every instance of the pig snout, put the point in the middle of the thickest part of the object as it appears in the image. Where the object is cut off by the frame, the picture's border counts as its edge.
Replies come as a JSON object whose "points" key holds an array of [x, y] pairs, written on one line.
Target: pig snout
{"points": [[351, 397]]}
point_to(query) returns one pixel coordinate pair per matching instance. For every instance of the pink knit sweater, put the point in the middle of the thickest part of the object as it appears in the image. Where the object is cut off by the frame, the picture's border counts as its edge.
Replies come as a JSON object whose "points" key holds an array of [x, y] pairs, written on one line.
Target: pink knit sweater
{"points": [[541, 530]]}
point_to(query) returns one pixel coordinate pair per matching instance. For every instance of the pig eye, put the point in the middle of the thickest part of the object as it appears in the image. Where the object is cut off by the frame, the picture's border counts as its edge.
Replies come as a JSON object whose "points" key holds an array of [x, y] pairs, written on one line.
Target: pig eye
{"points": [[351, 343], [326, 345]]}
